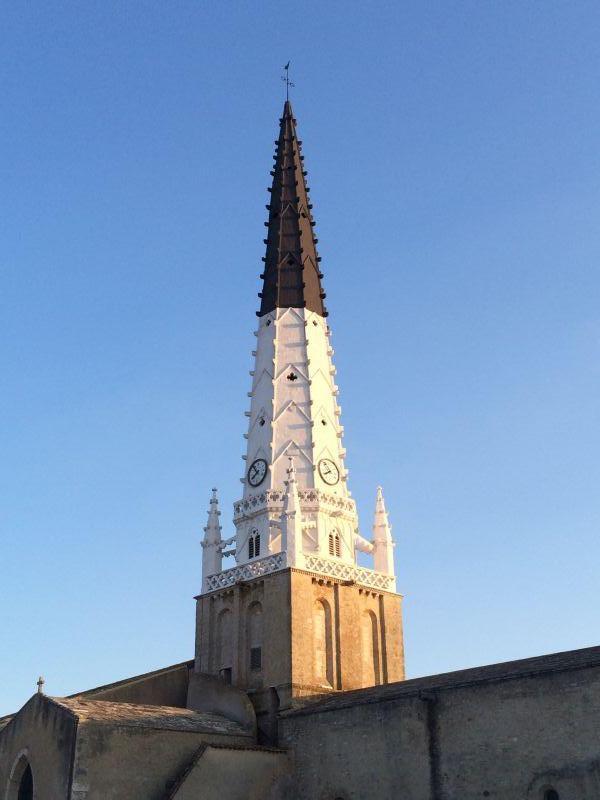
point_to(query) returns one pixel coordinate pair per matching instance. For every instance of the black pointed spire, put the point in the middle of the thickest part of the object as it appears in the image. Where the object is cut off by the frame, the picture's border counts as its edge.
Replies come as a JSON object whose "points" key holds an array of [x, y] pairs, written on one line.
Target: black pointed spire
{"points": [[291, 275]]}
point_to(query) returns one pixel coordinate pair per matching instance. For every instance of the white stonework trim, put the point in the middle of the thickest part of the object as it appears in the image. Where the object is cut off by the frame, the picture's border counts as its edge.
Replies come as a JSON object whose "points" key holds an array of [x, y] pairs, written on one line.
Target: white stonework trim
{"points": [[338, 569], [334, 568], [244, 572], [293, 340], [296, 517], [312, 500], [301, 420]]}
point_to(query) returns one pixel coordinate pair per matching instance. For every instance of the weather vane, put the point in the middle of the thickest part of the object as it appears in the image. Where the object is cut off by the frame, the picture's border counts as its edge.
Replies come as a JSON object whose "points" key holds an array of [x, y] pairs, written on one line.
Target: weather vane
{"points": [[287, 81]]}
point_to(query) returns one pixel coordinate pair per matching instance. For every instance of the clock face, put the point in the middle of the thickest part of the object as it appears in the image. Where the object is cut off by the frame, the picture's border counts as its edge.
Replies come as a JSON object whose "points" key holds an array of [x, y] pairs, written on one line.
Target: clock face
{"points": [[329, 471], [257, 472]]}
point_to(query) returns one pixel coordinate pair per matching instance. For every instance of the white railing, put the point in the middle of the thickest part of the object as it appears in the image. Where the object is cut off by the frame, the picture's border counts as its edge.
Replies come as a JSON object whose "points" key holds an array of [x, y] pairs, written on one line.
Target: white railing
{"points": [[244, 572], [323, 566], [350, 572]]}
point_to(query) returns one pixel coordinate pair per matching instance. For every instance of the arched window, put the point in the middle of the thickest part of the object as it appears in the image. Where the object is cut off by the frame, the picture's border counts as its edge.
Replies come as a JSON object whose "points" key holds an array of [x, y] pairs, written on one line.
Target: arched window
{"points": [[254, 544], [371, 670], [26, 785], [224, 645], [551, 794], [20, 785], [335, 548], [322, 643]]}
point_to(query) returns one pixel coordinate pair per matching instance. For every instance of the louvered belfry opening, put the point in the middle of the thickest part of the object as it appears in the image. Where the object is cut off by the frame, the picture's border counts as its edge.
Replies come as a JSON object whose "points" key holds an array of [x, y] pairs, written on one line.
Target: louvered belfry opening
{"points": [[291, 275]]}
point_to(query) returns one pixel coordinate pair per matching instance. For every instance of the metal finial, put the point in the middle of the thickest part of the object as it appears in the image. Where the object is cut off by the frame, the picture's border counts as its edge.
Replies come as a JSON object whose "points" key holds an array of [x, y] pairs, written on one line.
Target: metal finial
{"points": [[40, 685], [286, 79]]}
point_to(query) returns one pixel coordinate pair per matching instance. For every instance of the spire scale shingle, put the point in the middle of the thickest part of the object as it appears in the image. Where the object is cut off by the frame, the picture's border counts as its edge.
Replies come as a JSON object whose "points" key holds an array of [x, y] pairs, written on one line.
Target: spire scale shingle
{"points": [[291, 276]]}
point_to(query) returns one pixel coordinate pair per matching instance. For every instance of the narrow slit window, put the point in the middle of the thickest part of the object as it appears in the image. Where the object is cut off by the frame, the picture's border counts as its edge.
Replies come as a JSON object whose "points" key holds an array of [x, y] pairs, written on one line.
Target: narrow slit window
{"points": [[256, 658]]}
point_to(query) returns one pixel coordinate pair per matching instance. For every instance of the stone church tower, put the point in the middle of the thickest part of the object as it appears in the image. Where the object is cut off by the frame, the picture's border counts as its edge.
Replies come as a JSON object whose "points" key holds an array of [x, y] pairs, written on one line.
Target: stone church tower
{"points": [[296, 616]]}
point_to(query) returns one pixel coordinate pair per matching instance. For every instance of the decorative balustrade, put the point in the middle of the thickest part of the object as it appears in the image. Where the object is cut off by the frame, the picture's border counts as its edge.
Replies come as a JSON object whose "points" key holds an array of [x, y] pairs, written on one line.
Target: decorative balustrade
{"points": [[350, 572], [244, 572], [328, 567]]}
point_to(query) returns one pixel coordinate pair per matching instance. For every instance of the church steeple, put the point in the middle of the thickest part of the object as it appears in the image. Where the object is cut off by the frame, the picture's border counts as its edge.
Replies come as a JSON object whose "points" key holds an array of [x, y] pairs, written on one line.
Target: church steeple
{"points": [[296, 611], [291, 276]]}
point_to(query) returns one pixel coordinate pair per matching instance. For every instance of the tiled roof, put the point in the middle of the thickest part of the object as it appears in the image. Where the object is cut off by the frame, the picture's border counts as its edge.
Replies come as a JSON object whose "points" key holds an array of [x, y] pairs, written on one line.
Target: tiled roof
{"points": [[5, 720], [141, 716]]}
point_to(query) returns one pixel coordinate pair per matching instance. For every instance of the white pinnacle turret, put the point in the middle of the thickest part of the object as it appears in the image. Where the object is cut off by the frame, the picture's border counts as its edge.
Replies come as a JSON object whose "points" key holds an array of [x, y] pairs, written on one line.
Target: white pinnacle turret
{"points": [[383, 544], [212, 554]]}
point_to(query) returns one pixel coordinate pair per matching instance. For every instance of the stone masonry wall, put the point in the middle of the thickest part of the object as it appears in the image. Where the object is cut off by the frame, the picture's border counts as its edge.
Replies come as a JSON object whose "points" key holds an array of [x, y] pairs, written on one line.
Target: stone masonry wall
{"points": [[363, 627], [45, 735], [501, 732]]}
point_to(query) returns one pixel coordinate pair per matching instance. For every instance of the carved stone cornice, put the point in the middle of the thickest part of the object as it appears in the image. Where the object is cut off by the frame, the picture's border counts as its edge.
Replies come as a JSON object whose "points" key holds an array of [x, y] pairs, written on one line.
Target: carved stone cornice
{"points": [[311, 501]]}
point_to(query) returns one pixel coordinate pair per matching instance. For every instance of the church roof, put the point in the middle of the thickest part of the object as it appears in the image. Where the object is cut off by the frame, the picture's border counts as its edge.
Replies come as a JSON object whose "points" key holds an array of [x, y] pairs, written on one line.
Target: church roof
{"points": [[427, 686], [5, 720], [291, 276], [143, 716]]}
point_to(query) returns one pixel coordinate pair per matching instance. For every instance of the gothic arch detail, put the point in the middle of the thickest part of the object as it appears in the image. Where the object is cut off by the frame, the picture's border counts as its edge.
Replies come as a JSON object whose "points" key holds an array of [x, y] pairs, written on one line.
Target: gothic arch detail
{"points": [[371, 660], [254, 643], [223, 641], [20, 784], [323, 643]]}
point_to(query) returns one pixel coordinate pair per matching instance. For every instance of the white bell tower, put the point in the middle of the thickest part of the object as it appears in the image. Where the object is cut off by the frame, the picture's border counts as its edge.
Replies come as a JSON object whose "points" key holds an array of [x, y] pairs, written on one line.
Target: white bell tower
{"points": [[296, 509]]}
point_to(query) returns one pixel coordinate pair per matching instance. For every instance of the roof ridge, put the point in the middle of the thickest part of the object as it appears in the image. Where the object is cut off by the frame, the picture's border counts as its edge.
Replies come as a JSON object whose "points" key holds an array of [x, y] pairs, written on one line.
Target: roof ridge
{"points": [[181, 778], [78, 699], [581, 658], [257, 747], [55, 701], [132, 679], [197, 755]]}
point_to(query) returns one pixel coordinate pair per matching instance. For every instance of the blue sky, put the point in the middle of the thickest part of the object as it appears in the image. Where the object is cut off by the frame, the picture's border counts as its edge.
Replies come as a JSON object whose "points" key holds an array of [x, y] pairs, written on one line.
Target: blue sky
{"points": [[453, 159]]}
